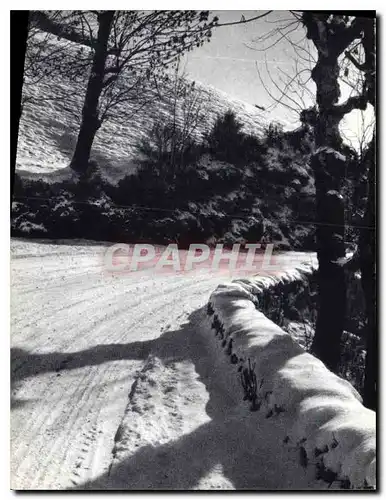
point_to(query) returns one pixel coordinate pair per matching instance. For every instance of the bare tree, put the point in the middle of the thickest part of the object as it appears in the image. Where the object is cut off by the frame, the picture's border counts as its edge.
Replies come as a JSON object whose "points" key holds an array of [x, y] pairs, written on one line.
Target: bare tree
{"points": [[342, 51], [132, 45], [46, 57], [293, 89], [173, 137], [331, 35], [186, 102], [290, 89]]}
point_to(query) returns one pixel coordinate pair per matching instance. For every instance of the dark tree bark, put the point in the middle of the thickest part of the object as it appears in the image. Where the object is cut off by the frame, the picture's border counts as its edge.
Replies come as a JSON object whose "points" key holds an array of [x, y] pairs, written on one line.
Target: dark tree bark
{"points": [[90, 114], [368, 275], [367, 243], [332, 36], [328, 167]]}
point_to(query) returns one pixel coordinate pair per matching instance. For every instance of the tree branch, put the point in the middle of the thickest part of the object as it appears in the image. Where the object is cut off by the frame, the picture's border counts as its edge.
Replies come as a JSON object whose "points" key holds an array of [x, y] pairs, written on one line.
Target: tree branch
{"points": [[354, 102], [45, 23], [351, 58], [245, 21]]}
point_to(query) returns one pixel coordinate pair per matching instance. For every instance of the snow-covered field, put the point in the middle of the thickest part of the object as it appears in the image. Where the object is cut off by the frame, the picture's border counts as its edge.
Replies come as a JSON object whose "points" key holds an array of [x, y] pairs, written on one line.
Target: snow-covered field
{"points": [[118, 382]]}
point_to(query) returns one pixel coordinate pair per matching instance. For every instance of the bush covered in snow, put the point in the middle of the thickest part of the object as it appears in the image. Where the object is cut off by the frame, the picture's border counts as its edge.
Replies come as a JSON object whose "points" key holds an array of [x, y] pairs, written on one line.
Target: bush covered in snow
{"points": [[232, 187]]}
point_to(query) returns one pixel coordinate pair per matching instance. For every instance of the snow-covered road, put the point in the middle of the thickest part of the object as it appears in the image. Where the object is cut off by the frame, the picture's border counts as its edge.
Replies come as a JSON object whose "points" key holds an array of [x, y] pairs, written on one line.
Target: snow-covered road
{"points": [[80, 336]]}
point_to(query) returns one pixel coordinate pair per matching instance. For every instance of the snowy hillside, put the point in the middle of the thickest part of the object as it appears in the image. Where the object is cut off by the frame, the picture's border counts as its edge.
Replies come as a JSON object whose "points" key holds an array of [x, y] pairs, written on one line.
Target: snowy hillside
{"points": [[50, 123], [263, 183]]}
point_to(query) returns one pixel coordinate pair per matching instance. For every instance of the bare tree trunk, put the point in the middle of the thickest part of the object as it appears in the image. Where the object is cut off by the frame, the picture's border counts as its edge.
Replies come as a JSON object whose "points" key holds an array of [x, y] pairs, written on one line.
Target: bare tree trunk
{"points": [[90, 113], [367, 240], [367, 265], [328, 167]]}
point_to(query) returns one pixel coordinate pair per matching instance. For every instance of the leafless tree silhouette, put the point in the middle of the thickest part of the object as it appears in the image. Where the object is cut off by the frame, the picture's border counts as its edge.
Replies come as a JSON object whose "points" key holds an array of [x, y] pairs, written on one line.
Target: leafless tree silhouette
{"points": [[335, 51], [128, 48]]}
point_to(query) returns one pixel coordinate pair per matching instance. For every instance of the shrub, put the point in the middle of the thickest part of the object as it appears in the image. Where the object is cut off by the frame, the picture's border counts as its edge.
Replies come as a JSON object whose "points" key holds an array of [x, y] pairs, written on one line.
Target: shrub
{"points": [[225, 140], [285, 159], [168, 149], [253, 149], [18, 186], [274, 135], [301, 139]]}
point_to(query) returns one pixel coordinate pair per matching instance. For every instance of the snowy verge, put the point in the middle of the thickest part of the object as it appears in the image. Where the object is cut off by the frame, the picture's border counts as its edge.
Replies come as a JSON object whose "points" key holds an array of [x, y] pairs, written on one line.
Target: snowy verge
{"points": [[324, 413], [165, 410]]}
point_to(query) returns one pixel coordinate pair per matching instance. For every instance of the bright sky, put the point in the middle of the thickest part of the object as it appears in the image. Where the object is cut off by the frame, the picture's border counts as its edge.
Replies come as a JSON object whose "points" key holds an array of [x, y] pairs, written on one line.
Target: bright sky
{"points": [[229, 63]]}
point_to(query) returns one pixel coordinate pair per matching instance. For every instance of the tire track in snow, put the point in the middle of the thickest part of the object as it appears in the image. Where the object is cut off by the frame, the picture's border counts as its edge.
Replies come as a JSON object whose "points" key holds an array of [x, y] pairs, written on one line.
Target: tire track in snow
{"points": [[55, 434], [84, 402], [63, 429]]}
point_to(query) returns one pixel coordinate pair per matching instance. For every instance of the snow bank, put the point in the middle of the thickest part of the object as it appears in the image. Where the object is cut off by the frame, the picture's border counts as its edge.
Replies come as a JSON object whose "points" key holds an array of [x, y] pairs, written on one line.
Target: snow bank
{"points": [[167, 401], [324, 414]]}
